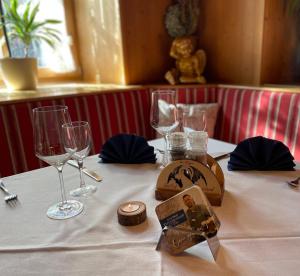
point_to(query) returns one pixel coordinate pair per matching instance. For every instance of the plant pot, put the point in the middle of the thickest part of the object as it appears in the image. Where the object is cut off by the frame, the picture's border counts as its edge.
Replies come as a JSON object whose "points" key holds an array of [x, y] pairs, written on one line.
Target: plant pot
{"points": [[19, 73]]}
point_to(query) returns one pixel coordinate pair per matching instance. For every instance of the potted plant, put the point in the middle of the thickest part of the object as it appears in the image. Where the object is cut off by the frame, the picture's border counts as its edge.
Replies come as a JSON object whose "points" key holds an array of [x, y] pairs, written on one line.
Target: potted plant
{"points": [[23, 26]]}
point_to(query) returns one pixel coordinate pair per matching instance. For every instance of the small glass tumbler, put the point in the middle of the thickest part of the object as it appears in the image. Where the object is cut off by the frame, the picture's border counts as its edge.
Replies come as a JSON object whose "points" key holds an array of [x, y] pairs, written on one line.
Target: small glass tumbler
{"points": [[177, 141], [198, 143]]}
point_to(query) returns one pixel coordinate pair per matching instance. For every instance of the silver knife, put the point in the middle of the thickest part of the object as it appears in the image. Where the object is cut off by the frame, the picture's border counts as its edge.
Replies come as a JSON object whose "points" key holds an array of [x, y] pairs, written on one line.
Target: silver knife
{"points": [[91, 174], [217, 157], [222, 156]]}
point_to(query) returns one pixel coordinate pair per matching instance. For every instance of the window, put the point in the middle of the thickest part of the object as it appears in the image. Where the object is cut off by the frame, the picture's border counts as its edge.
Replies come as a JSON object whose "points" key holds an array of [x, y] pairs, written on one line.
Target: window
{"points": [[60, 62]]}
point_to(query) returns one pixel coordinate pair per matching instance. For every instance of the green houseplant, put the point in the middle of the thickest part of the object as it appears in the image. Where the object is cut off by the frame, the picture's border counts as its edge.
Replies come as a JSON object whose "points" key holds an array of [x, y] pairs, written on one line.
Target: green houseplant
{"points": [[22, 25]]}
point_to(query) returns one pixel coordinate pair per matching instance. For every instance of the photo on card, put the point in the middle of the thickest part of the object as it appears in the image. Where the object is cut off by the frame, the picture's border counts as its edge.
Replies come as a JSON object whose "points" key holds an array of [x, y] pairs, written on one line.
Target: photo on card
{"points": [[188, 218]]}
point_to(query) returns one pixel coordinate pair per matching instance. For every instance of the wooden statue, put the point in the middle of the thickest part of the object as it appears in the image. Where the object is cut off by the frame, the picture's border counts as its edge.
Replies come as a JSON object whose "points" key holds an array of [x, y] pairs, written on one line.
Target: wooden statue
{"points": [[190, 62]]}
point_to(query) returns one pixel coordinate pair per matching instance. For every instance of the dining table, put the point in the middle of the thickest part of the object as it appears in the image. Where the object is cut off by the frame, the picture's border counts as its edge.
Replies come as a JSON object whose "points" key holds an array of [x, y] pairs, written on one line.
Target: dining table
{"points": [[259, 232]]}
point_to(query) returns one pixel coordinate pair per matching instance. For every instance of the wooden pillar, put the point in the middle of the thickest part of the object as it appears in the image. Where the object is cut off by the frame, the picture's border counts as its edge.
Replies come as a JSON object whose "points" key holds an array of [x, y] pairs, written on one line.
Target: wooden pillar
{"points": [[249, 42], [280, 53], [100, 40], [123, 41], [146, 43], [231, 33]]}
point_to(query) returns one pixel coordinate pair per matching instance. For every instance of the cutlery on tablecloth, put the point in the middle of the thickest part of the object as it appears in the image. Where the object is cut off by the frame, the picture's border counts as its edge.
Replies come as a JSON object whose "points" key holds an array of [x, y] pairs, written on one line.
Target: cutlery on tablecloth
{"points": [[294, 183], [222, 156], [159, 150], [217, 158], [89, 173], [9, 197]]}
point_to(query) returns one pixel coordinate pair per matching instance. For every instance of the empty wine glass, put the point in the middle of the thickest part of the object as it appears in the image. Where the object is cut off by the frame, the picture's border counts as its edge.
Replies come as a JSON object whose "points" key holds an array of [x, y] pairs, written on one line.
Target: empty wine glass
{"points": [[193, 120], [163, 115], [83, 140], [50, 147]]}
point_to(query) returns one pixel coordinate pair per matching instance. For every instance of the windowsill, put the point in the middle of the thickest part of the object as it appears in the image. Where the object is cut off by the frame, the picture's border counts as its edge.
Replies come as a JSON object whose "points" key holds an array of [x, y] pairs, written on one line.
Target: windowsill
{"points": [[58, 90], [269, 87]]}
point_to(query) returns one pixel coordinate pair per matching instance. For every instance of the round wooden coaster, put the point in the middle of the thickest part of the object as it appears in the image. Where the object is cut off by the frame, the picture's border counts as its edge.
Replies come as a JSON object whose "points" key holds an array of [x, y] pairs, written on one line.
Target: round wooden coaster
{"points": [[132, 213]]}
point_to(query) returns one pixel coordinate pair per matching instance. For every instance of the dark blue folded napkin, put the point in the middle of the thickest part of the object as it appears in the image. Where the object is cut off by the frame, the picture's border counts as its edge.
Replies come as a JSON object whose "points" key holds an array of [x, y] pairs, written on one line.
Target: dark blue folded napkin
{"points": [[262, 154], [127, 149]]}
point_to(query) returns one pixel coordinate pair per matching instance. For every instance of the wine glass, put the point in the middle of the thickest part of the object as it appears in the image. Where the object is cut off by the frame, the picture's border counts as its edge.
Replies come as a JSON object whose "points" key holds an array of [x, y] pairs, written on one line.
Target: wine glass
{"points": [[163, 116], [50, 147], [83, 140], [193, 120], [194, 125]]}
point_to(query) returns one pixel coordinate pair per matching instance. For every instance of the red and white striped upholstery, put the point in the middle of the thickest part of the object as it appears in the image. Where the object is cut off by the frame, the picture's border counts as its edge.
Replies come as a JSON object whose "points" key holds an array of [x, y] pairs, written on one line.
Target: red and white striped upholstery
{"points": [[107, 113], [246, 113], [243, 113]]}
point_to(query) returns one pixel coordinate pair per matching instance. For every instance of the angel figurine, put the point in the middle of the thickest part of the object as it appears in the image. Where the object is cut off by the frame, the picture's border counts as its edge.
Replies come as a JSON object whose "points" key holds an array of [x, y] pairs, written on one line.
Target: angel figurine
{"points": [[189, 63]]}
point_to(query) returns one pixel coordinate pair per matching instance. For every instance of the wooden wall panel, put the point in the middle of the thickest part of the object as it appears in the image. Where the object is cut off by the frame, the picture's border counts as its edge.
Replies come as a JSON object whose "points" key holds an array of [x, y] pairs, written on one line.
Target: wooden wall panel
{"points": [[231, 33], [280, 58], [146, 43], [248, 42], [98, 25]]}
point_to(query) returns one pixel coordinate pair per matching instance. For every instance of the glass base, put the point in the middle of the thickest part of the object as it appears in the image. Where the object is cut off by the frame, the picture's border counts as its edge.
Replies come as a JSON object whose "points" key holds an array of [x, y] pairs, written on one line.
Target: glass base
{"points": [[84, 191], [69, 209], [164, 161]]}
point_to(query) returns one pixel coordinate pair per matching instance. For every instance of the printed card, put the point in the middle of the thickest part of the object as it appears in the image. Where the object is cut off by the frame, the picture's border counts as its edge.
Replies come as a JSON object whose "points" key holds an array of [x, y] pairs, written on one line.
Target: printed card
{"points": [[186, 219]]}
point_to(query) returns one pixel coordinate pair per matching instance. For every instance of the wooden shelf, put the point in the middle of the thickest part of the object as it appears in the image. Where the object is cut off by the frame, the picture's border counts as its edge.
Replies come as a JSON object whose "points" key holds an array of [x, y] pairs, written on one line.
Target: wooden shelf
{"points": [[60, 90], [54, 91]]}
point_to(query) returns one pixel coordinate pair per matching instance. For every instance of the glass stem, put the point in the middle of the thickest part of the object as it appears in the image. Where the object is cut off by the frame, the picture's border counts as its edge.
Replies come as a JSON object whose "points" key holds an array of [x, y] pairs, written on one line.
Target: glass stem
{"points": [[80, 166], [62, 186], [165, 156]]}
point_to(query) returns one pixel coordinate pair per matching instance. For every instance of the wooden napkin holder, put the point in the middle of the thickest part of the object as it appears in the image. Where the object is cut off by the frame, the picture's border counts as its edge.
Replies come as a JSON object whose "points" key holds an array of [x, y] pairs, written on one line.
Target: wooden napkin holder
{"points": [[182, 174]]}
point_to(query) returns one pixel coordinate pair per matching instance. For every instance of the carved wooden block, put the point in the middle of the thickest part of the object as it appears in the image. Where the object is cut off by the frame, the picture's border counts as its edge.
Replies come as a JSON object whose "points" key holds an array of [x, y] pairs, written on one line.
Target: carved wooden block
{"points": [[183, 174]]}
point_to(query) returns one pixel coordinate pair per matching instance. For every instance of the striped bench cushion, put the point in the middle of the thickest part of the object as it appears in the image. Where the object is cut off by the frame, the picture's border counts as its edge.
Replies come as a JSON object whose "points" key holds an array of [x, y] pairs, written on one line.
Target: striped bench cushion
{"points": [[246, 113], [243, 113], [107, 113]]}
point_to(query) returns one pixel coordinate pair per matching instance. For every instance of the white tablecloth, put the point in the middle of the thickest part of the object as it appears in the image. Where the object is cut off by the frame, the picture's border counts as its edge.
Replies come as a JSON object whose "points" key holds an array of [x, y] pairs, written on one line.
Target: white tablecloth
{"points": [[259, 235]]}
